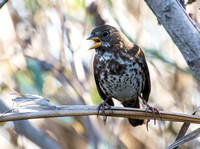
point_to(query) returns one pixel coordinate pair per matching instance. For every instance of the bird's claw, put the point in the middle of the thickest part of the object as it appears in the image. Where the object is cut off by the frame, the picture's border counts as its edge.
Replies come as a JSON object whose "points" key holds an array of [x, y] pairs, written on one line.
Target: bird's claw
{"points": [[102, 106], [153, 110]]}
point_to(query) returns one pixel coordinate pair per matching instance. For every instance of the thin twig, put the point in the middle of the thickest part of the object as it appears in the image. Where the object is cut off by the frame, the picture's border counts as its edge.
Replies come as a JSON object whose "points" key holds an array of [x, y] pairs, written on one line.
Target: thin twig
{"points": [[184, 129], [82, 110], [191, 136]]}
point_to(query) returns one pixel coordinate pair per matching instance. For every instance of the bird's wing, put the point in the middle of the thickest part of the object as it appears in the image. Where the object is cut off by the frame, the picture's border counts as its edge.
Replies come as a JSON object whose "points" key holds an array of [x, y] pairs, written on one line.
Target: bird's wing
{"points": [[147, 85]]}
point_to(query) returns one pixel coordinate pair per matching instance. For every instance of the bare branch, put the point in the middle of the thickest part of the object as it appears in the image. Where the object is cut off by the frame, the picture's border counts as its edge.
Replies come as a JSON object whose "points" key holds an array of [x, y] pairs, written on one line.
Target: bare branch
{"points": [[184, 128], [191, 136], [181, 28], [82, 110]]}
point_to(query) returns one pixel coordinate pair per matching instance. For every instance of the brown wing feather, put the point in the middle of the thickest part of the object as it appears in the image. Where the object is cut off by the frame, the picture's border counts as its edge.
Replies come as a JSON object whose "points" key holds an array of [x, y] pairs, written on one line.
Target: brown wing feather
{"points": [[147, 86]]}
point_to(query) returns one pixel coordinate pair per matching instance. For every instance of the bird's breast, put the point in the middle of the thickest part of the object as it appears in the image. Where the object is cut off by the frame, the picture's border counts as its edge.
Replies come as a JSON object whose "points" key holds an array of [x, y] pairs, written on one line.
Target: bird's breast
{"points": [[119, 77]]}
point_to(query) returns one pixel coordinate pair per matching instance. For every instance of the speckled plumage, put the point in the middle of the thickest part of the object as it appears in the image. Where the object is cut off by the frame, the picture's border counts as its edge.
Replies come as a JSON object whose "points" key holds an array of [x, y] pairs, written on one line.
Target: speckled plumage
{"points": [[120, 69]]}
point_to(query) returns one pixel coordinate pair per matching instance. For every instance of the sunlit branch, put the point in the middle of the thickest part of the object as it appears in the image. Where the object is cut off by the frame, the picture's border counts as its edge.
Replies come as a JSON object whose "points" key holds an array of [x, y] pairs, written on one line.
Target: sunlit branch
{"points": [[83, 110]]}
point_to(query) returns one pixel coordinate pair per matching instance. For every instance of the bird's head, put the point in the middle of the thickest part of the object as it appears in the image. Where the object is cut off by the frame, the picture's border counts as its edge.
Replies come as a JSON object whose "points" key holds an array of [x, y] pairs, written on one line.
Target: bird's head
{"points": [[105, 36]]}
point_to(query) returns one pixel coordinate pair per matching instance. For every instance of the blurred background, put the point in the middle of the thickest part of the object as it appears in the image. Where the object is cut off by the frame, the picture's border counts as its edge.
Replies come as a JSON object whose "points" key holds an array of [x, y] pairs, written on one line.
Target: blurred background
{"points": [[44, 51]]}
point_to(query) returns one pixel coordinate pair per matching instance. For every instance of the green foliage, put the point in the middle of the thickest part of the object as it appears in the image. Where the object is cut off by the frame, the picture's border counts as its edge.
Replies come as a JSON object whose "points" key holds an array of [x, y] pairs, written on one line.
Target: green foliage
{"points": [[32, 5], [31, 80]]}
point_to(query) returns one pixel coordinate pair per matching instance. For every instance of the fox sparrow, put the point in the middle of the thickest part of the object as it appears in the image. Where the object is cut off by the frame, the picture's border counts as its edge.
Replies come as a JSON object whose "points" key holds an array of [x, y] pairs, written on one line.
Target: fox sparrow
{"points": [[120, 69]]}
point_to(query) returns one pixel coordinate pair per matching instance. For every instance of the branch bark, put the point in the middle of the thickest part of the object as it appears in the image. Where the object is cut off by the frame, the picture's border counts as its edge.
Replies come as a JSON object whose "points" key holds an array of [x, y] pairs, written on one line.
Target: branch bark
{"points": [[82, 110], [183, 31]]}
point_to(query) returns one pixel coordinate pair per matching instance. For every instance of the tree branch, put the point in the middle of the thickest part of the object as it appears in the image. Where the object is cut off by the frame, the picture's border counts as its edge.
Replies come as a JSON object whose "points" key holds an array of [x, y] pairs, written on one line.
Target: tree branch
{"points": [[82, 110], [181, 29]]}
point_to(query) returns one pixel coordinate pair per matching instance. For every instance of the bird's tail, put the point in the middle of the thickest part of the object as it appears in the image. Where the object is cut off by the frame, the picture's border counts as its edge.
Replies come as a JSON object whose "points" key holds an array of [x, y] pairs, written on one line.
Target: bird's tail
{"points": [[134, 104]]}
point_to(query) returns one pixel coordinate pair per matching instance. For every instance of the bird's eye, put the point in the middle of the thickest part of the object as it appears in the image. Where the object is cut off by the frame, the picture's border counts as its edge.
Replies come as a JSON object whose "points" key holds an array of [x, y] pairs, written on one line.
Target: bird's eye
{"points": [[105, 34]]}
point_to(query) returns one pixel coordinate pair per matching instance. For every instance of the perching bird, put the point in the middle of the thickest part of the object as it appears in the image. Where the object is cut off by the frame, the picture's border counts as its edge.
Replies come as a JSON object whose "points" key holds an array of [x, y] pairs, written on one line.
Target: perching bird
{"points": [[120, 69]]}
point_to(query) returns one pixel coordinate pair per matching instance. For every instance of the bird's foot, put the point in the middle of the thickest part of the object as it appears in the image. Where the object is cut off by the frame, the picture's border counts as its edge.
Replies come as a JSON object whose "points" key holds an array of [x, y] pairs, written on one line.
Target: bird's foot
{"points": [[103, 106], [154, 111]]}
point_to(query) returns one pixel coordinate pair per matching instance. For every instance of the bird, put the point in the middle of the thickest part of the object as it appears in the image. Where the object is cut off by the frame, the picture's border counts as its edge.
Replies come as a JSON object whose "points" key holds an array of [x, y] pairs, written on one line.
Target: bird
{"points": [[120, 70]]}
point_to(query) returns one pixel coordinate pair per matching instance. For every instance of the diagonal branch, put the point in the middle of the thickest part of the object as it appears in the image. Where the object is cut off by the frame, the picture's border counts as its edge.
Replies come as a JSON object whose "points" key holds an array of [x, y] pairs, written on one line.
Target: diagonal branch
{"points": [[191, 136], [183, 31], [82, 110]]}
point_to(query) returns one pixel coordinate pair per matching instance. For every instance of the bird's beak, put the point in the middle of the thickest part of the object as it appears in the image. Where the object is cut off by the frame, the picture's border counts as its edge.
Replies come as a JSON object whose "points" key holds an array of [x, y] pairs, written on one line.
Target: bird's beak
{"points": [[97, 42]]}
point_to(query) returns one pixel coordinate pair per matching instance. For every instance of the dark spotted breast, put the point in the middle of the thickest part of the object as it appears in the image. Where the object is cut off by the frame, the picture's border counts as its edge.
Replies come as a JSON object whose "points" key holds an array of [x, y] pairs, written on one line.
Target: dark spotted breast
{"points": [[120, 78]]}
